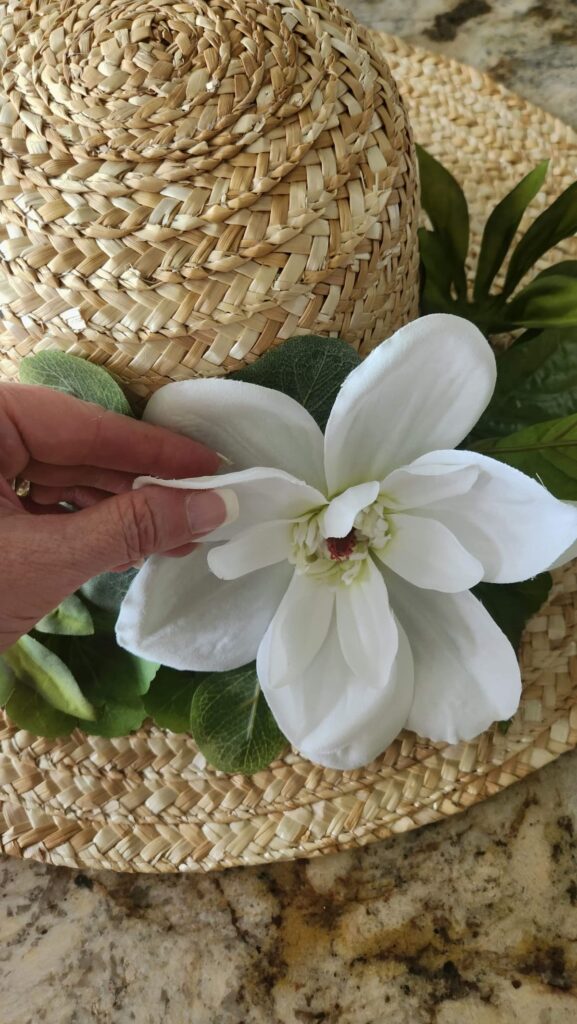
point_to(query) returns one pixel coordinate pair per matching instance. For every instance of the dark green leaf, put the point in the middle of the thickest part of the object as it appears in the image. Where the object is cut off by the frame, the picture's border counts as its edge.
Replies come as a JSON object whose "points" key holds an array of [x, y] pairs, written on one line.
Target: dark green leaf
{"points": [[71, 618], [559, 221], [7, 682], [28, 710], [565, 268], [108, 590], [39, 668], [76, 377], [106, 672], [232, 724], [501, 228], [511, 605], [169, 698], [504, 727], [546, 451], [536, 381], [308, 368], [548, 301], [445, 205], [115, 719]]}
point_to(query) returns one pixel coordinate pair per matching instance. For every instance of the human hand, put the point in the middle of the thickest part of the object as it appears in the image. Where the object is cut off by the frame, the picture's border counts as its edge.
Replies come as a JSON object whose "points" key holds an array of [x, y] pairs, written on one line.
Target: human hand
{"points": [[76, 452]]}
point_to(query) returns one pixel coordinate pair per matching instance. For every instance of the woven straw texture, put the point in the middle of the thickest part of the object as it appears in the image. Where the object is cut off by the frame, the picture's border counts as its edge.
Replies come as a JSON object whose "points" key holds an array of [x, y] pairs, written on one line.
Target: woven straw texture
{"points": [[149, 803], [186, 184]]}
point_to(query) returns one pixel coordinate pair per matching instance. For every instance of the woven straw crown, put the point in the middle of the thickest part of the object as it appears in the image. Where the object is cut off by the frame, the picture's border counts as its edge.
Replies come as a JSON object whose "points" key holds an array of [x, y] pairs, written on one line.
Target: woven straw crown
{"points": [[185, 184]]}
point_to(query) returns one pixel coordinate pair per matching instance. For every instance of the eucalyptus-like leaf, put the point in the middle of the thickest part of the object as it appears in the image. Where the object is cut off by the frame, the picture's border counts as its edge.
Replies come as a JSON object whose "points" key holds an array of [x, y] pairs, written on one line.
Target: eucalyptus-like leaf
{"points": [[108, 590], [75, 376], [557, 222], [7, 682], [308, 368], [546, 451], [548, 301], [512, 605], [232, 724], [71, 618], [444, 203], [536, 381], [501, 228], [29, 710], [169, 698], [107, 672], [116, 719], [42, 670]]}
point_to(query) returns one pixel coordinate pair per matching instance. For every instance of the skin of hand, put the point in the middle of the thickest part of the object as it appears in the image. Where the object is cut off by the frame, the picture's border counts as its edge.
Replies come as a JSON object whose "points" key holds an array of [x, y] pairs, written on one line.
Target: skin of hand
{"points": [[76, 452]]}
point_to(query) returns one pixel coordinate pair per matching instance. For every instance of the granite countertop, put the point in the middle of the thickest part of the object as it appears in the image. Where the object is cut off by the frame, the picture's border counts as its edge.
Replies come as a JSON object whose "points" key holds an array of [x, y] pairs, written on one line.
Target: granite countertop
{"points": [[471, 921]]}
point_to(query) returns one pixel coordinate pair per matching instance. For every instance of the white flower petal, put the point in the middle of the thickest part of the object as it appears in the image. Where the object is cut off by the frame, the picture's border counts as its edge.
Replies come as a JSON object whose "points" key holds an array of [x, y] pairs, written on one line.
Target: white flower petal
{"points": [[466, 672], [332, 715], [263, 495], [570, 553], [254, 548], [297, 631], [426, 553], [366, 627], [339, 516], [509, 522], [421, 390], [178, 613], [425, 481], [252, 425]]}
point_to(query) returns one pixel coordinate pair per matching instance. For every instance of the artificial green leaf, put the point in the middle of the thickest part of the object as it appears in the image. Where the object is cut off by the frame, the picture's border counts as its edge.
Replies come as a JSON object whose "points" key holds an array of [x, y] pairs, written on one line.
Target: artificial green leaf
{"points": [[43, 671], [28, 710], [511, 605], [501, 228], [108, 590], [434, 262], [536, 381], [557, 222], [232, 723], [169, 698], [107, 672], [443, 200], [548, 301], [71, 618], [75, 376], [309, 369], [7, 682], [546, 451], [564, 268], [116, 719]]}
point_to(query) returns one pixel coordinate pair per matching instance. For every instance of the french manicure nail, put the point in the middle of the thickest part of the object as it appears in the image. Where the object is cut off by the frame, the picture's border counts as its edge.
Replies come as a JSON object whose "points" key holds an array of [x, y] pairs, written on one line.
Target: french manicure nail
{"points": [[225, 459], [205, 511]]}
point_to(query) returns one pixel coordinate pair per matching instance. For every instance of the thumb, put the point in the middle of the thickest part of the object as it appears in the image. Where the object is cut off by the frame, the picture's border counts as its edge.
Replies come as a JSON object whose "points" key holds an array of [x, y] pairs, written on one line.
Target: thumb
{"points": [[130, 526]]}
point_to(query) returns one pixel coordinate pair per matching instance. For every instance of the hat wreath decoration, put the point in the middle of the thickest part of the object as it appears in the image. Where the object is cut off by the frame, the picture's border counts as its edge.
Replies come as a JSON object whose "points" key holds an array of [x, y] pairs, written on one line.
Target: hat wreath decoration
{"points": [[185, 187]]}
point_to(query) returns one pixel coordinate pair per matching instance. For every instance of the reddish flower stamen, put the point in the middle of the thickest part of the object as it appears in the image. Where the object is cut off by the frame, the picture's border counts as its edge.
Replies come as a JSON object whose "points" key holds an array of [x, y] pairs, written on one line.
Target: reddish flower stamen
{"points": [[341, 548]]}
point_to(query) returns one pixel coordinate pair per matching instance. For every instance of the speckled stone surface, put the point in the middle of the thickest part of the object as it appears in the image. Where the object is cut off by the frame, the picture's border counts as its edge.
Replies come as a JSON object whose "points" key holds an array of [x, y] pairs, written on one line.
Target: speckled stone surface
{"points": [[472, 921]]}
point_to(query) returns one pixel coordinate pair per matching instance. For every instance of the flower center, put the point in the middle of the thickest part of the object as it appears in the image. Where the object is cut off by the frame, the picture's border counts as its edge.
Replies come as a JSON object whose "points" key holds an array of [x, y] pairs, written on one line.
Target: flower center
{"points": [[339, 559]]}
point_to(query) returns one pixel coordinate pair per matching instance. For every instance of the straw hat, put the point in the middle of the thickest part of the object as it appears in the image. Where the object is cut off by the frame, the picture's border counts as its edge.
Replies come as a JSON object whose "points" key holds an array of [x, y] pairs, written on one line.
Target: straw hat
{"points": [[148, 802], [185, 185]]}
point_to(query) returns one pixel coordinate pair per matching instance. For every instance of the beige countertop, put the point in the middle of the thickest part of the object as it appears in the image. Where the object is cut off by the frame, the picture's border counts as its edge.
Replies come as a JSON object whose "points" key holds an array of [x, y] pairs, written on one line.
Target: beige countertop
{"points": [[472, 921]]}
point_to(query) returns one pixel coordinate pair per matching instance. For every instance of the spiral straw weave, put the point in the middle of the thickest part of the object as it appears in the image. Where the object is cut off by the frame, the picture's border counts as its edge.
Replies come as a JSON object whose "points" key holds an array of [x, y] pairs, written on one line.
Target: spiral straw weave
{"points": [[149, 802], [185, 184]]}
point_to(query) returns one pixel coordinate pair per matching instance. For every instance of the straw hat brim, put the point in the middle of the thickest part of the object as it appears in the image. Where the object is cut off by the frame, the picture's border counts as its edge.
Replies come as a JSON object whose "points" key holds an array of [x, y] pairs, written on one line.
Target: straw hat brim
{"points": [[149, 803]]}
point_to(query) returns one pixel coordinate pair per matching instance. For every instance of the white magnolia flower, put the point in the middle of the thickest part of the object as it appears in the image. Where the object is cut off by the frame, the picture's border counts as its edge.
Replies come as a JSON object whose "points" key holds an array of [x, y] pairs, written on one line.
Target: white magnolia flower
{"points": [[347, 572]]}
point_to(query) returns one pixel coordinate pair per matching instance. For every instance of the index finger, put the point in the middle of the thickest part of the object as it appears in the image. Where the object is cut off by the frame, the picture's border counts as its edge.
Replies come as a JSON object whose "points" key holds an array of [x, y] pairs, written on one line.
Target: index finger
{"points": [[48, 426]]}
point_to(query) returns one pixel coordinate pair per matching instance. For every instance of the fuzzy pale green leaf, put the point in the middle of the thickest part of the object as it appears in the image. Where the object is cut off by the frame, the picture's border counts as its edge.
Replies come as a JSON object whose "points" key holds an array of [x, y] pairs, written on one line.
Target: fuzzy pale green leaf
{"points": [[71, 618], [7, 682], [108, 590], [75, 376], [39, 668], [28, 710]]}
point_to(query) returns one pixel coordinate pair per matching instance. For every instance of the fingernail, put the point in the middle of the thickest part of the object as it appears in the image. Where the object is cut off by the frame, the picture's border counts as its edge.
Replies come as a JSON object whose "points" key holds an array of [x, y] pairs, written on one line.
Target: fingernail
{"points": [[205, 509], [225, 459]]}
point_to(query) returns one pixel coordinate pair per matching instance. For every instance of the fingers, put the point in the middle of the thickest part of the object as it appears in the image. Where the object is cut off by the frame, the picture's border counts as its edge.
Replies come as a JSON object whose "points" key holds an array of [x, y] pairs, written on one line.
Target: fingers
{"points": [[111, 480], [47, 426]]}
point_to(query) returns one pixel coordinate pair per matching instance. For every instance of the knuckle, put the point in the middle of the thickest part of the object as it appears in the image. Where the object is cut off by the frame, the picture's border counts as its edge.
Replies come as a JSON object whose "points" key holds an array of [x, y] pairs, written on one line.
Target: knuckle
{"points": [[139, 527]]}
